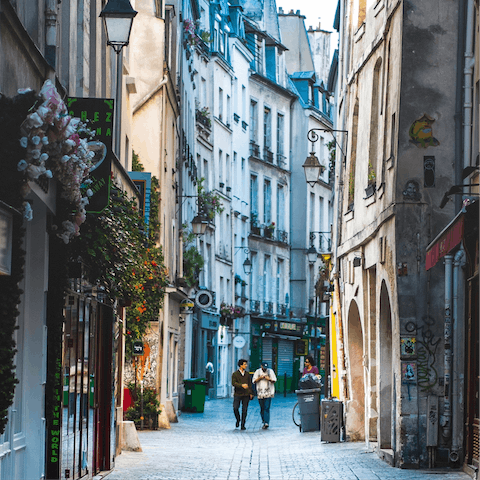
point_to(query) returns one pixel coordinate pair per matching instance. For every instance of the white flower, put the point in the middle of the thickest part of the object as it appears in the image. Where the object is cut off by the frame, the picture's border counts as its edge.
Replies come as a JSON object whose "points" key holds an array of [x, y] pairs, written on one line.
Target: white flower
{"points": [[88, 181], [24, 142], [48, 174], [35, 120], [65, 159], [84, 201], [35, 139], [27, 211], [89, 192], [22, 165], [36, 154], [45, 140], [70, 143], [44, 157]]}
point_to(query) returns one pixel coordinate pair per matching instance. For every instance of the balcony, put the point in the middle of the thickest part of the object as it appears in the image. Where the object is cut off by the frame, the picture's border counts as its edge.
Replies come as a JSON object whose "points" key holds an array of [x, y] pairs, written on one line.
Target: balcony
{"points": [[267, 155], [322, 241], [268, 308], [255, 306], [281, 310], [281, 161], [254, 150], [282, 236]]}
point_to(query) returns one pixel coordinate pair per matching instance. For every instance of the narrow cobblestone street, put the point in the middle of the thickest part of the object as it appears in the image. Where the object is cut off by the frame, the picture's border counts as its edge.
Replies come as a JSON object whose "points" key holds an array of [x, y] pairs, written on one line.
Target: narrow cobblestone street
{"points": [[207, 446]]}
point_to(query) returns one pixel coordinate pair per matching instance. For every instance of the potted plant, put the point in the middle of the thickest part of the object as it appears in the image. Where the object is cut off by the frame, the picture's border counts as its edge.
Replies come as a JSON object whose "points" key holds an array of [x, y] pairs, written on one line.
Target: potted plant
{"points": [[269, 230], [209, 204], [371, 187], [254, 227]]}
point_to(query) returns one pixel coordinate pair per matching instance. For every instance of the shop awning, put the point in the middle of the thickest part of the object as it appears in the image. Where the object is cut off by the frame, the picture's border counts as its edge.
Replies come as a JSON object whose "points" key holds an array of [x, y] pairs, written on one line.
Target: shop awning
{"points": [[445, 241]]}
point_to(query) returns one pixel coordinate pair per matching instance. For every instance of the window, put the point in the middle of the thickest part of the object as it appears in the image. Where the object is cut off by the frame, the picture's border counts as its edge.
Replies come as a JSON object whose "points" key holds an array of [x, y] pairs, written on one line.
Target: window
{"points": [[267, 128], [205, 174], [267, 278], [244, 102], [254, 195], [253, 121], [220, 167], [281, 213], [227, 119], [271, 62], [312, 212], [280, 130], [267, 202], [280, 277], [227, 169], [220, 104]]}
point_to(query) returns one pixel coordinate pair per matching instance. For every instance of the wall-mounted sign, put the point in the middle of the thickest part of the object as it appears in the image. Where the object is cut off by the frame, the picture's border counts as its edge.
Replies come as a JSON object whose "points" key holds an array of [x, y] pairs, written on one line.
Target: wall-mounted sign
{"points": [[138, 348], [187, 304], [408, 346], [98, 114], [239, 341]]}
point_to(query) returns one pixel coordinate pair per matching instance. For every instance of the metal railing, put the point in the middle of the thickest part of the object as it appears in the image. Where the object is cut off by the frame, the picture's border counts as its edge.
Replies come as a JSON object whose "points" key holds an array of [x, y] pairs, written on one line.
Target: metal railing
{"points": [[282, 236], [254, 150], [255, 306], [267, 155], [268, 308]]}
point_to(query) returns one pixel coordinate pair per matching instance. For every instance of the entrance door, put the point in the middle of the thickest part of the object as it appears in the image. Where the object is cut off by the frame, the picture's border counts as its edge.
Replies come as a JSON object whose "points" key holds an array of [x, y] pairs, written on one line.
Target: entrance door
{"points": [[103, 394]]}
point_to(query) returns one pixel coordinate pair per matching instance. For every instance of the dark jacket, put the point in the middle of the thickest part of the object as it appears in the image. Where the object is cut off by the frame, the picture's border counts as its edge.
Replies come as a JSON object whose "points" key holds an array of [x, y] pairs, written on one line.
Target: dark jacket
{"points": [[238, 380]]}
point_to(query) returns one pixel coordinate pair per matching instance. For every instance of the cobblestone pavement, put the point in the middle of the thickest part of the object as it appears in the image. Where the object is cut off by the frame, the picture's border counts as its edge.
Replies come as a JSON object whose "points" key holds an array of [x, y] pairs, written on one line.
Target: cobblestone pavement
{"points": [[207, 446]]}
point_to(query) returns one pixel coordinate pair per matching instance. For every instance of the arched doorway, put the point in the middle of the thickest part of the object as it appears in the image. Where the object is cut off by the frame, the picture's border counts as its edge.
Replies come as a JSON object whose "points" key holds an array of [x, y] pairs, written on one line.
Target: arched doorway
{"points": [[355, 424], [385, 370]]}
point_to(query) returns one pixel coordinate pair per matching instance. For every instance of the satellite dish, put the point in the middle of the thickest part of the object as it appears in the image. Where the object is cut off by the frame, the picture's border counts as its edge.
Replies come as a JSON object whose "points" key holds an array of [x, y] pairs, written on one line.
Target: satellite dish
{"points": [[203, 299]]}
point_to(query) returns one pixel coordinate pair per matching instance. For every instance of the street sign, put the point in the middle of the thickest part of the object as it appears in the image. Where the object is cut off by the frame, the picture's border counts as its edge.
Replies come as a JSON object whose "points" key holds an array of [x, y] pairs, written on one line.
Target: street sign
{"points": [[138, 348]]}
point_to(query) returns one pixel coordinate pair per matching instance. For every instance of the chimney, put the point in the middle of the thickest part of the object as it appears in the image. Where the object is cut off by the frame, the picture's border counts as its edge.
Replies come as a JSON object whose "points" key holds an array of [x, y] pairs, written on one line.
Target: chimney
{"points": [[291, 12], [280, 10], [298, 12]]}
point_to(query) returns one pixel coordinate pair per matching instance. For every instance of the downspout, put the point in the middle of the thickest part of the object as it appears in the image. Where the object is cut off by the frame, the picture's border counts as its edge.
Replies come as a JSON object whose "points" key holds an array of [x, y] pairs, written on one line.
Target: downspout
{"points": [[51, 33], [459, 99], [446, 419], [458, 378], [338, 227], [468, 85]]}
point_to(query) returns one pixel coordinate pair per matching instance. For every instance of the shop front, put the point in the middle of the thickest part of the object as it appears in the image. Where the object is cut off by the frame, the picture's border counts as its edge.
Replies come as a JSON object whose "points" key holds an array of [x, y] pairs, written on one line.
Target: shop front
{"points": [[275, 341]]}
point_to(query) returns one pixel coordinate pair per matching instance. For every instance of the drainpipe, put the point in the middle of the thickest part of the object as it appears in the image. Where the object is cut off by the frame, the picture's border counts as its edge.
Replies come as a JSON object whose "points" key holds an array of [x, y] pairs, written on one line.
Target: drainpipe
{"points": [[458, 381], [51, 32], [468, 85], [446, 419]]}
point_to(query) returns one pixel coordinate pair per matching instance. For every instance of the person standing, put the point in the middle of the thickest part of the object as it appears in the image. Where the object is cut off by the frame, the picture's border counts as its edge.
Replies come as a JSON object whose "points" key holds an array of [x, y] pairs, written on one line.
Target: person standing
{"points": [[243, 392], [310, 366], [264, 379]]}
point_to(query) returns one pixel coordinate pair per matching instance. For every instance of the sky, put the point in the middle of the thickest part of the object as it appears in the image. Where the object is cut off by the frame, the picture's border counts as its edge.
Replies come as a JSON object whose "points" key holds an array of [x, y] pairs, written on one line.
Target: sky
{"points": [[322, 11]]}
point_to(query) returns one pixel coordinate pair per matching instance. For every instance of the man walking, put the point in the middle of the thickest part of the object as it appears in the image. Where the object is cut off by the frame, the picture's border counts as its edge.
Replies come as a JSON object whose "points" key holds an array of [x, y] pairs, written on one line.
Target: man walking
{"points": [[265, 378], [243, 393]]}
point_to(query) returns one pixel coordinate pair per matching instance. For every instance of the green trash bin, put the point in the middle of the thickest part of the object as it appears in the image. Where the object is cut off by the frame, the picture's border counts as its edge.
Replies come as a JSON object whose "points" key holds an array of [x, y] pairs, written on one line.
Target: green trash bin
{"points": [[195, 390]]}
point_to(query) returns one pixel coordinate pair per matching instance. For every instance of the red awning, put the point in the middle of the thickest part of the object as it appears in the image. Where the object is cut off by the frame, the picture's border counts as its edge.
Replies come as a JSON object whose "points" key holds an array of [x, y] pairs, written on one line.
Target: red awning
{"points": [[444, 243]]}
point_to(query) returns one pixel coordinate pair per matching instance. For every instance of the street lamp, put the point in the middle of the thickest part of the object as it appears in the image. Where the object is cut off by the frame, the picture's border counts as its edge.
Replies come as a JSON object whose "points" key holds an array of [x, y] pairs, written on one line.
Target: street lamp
{"points": [[312, 254], [313, 169], [118, 18], [247, 266], [199, 225], [312, 166]]}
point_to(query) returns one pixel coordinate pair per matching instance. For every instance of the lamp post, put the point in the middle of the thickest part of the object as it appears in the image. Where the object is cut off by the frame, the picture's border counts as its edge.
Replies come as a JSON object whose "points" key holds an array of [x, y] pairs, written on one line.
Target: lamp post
{"points": [[247, 264], [118, 18], [199, 225]]}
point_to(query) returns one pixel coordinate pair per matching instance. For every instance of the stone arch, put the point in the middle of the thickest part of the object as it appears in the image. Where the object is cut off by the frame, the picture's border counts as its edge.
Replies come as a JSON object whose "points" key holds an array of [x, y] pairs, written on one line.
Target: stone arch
{"points": [[355, 425], [386, 400]]}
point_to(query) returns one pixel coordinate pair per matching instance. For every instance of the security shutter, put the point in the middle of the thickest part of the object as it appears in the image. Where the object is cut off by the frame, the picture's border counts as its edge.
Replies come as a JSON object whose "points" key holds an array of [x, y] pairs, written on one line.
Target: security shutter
{"points": [[267, 351], [285, 357]]}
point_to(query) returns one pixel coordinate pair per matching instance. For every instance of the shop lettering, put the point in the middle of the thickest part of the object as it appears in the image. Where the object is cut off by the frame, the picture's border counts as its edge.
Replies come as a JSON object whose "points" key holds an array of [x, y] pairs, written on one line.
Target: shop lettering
{"points": [[288, 326]]}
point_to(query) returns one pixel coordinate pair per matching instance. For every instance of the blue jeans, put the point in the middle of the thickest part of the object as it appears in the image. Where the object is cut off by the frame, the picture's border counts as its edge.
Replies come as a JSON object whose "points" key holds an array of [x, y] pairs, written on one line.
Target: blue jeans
{"points": [[265, 409]]}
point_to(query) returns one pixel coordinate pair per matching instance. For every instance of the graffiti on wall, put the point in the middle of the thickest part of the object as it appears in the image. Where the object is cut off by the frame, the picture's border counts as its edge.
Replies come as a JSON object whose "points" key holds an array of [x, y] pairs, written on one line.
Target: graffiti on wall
{"points": [[427, 345], [421, 132]]}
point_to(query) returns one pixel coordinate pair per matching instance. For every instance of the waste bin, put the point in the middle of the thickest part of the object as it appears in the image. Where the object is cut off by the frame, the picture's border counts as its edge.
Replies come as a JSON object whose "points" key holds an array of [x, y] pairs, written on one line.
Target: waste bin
{"points": [[332, 420], [309, 406], [195, 389]]}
